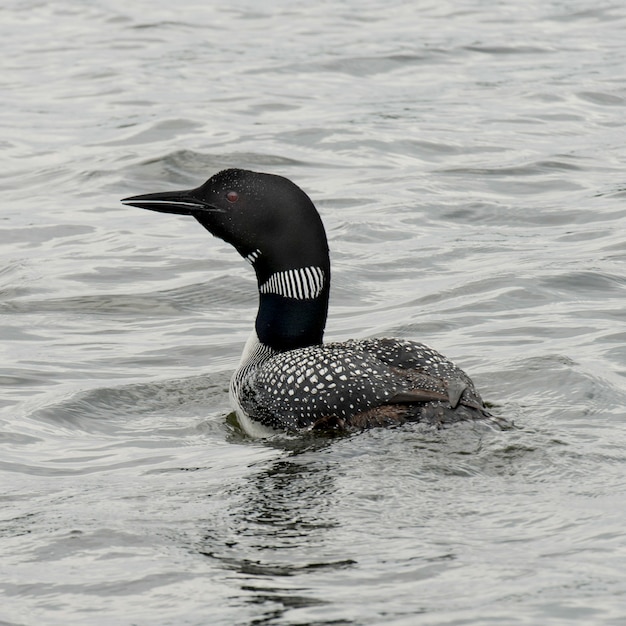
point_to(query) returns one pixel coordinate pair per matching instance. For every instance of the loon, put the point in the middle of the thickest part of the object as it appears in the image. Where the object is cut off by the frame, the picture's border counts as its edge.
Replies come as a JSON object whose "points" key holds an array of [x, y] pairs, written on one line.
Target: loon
{"points": [[288, 379]]}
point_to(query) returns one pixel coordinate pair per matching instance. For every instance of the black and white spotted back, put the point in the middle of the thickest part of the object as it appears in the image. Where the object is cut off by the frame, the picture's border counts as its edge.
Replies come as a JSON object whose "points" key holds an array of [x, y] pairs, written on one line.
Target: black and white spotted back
{"points": [[344, 383]]}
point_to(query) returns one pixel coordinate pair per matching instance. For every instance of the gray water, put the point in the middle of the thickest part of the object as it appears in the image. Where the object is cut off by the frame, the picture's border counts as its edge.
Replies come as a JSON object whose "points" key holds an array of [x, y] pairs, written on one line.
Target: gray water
{"points": [[468, 159]]}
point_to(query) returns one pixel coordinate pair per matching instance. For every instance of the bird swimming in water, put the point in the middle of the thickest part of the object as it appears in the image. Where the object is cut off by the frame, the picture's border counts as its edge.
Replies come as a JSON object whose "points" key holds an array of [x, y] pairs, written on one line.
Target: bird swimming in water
{"points": [[288, 379]]}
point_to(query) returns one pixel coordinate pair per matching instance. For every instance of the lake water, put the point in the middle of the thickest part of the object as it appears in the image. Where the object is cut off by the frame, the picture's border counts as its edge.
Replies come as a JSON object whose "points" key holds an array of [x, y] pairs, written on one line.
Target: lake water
{"points": [[468, 159]]}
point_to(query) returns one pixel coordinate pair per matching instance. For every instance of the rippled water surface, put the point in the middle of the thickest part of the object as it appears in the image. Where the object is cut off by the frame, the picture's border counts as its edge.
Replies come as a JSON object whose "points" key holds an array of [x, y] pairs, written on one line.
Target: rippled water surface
{"points": [[468, 159]]}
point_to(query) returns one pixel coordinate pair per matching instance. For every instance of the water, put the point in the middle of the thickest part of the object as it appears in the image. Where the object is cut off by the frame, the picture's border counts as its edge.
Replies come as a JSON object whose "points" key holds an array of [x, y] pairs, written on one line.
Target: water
{"points": [[468, 161]]}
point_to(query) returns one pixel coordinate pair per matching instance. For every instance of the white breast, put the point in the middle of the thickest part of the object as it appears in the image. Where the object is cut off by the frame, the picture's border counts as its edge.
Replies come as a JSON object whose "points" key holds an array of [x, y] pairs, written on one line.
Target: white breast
{"points": [[254, 353]]}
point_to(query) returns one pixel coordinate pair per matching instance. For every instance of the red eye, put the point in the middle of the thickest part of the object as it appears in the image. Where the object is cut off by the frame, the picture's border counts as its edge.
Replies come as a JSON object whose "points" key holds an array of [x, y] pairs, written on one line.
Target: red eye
{"points": [[232, 196]]}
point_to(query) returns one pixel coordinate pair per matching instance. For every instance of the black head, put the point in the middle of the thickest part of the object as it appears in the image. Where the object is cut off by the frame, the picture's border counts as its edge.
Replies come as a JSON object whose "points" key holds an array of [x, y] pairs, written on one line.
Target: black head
{"points": [[265, 217]]}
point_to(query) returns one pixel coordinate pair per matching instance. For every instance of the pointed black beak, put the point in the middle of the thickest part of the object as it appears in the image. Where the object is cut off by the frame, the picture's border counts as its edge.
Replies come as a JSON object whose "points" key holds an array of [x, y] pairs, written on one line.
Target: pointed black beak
{"points": [[178, 202]]}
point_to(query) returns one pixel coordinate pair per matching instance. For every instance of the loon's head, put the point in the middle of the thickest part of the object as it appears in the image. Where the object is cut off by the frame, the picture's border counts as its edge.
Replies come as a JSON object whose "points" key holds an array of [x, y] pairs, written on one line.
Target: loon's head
{"points": [[274, 225], [267, 218]]}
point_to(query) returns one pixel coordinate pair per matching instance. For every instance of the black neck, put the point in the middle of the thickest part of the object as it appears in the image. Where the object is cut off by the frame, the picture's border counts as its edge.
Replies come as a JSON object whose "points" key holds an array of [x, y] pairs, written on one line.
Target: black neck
{"points": [[289, 323]]}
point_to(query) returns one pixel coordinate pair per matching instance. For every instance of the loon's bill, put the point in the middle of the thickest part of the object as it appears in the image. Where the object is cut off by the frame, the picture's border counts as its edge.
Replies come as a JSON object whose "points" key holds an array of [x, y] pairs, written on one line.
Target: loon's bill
{"points": [[177, 202], [288, 379]]}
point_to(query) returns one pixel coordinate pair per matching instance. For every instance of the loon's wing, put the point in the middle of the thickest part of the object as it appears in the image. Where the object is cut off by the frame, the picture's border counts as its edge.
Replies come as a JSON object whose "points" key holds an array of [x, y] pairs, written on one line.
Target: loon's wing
{"points": [[422, 366]]}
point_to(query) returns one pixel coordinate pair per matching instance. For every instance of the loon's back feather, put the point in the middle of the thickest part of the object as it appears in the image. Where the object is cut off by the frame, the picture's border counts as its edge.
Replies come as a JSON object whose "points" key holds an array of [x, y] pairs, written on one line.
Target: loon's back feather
{"points": [[359, 384]]}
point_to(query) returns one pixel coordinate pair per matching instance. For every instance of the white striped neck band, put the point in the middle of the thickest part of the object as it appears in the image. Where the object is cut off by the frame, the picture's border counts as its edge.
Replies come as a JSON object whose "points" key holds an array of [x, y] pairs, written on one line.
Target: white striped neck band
{"points": [[304, 283]]}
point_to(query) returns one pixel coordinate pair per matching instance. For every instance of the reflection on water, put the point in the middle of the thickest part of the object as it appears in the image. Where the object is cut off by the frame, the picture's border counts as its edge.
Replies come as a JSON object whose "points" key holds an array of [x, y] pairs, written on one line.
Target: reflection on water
{"points": [[279, 525]]}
